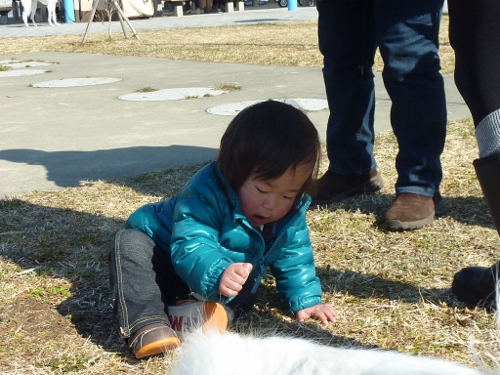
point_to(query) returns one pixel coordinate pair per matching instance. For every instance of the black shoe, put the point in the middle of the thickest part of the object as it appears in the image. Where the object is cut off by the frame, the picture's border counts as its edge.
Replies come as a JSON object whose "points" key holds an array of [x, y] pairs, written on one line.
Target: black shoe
{"points": [[476, 286], [334, 187]]}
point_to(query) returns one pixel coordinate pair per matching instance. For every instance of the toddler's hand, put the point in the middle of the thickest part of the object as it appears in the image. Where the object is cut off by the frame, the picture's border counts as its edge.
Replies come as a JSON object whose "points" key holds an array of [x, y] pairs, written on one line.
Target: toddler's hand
{"points": [[233, 278], [325, 313]]}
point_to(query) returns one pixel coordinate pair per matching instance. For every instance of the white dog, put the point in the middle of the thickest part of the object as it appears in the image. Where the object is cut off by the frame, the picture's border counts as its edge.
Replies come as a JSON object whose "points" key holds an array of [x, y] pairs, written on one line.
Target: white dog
{"points": [[227, 353], [230, 354], [29, 10]]}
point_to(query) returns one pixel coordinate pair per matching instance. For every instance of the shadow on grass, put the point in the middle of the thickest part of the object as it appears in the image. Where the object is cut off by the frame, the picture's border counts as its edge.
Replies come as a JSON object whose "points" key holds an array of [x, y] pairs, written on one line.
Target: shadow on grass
{"points": [[60, 244], [364, 286], [69, 245], [272, 317], [72, 246]]}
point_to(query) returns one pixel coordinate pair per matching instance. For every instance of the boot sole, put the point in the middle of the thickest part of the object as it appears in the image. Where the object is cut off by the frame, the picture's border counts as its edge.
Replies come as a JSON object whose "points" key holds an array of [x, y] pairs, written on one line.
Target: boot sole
{"points": [[216, 317], [396, 225], [158, 347]]}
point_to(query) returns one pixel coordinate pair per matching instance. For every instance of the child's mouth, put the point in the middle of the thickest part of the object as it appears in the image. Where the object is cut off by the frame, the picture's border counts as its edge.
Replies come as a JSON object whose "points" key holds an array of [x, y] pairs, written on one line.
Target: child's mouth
{"points": [[259, 218]]}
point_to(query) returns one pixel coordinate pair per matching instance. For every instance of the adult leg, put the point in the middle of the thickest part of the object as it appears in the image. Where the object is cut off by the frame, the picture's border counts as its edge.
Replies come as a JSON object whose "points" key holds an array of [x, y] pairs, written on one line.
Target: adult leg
{"points": [[143, 283], [206, 5], [475, 37], [407, 32], [476, 285], [346, 31]]}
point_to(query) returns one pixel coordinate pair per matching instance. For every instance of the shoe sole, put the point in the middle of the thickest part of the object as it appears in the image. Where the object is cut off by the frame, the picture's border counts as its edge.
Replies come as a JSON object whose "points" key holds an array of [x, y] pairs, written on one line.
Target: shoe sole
{"points": [[158, 347], [398, 226], [370, 187], [216, 317], [209, 316]]}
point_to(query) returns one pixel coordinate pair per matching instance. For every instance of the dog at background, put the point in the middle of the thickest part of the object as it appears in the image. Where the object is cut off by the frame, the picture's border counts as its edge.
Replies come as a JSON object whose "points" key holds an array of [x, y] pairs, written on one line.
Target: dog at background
{"points": [[29, 10]]}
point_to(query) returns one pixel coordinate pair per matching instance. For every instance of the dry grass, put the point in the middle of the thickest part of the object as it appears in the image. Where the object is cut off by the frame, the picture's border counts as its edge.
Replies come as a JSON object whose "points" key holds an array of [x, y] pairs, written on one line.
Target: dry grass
{"points": [[392, 289], [262, 44]]}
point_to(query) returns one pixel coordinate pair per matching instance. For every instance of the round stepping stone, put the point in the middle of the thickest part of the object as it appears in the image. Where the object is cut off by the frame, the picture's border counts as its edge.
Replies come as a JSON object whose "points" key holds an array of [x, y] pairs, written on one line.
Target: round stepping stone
{"points": [[172, 94], [76, 82], [19, 73], [232, 109]]}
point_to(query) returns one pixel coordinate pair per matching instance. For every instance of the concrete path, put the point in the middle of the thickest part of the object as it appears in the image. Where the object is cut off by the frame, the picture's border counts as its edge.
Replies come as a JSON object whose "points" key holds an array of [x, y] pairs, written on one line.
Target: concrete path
{"points": [[55, 137]]}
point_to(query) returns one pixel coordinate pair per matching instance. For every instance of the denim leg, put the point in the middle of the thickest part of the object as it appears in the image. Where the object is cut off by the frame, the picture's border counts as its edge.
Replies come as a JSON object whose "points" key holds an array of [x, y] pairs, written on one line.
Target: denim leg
{"points": [[346, 32], [407, 33], [142, 280]]}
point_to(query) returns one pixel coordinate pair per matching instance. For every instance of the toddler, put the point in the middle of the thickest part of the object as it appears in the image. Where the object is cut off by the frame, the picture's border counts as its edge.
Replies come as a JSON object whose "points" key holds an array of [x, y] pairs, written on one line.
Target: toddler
{"points": [[237, 217]]}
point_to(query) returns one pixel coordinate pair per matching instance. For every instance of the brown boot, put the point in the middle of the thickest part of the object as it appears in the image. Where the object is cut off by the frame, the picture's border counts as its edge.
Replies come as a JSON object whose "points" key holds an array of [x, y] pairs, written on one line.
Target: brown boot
{"points": [[410, 211], [152, 339], [334, 187]]}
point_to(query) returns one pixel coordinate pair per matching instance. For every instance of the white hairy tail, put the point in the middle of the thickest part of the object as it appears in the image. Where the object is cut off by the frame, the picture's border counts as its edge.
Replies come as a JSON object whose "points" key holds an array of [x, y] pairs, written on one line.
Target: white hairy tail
{"points": [[227, 353], [230, 354]]}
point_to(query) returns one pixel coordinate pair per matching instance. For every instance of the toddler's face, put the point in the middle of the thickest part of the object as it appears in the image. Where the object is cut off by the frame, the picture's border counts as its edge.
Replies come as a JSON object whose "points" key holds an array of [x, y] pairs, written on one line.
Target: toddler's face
{"points": [[265, 201]]}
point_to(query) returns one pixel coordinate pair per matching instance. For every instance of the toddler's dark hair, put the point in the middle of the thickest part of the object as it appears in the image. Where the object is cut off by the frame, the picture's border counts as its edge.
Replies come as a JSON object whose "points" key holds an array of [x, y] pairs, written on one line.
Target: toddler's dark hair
{"points": [[267, 138]]}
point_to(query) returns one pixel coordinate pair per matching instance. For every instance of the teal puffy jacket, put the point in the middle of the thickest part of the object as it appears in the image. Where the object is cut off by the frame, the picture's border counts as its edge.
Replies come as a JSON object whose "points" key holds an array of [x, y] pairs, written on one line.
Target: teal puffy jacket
{"points": [[204, 230]]}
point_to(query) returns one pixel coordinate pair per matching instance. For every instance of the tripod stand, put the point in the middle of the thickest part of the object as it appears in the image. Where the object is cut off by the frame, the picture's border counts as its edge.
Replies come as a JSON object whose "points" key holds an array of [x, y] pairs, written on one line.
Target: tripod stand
{"points": [[121, 17]]}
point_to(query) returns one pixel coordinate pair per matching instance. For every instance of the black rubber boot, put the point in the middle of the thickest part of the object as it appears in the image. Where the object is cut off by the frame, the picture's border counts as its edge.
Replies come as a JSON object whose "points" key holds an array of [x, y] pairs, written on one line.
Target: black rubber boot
{"points": [[488, 174], [476, 285]]}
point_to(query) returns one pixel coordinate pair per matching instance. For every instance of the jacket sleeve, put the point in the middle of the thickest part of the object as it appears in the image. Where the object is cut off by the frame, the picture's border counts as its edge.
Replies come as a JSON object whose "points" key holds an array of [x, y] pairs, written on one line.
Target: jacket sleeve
{"points": [[197, 255], [295, 271], [150, 219]]}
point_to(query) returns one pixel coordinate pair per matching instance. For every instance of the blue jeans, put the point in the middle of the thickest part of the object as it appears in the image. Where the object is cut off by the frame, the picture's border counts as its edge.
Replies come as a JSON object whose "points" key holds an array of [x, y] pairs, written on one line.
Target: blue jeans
{"points": [[143, 281], [406, 31]]}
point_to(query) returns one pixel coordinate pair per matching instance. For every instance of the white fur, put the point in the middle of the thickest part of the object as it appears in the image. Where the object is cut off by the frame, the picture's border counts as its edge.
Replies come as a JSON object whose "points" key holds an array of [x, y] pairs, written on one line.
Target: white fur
{"points": [[232, 354], [51, 10], [29, 10]]}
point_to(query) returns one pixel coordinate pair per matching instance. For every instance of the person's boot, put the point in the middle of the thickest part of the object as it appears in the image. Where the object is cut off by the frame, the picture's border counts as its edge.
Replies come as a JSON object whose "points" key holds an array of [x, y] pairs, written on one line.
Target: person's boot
{"points": [[333, 187], [488, 174], [410, 211], [476, 285]]}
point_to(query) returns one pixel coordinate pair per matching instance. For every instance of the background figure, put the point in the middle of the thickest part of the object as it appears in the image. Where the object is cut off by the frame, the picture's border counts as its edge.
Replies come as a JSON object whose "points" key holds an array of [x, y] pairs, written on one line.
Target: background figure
{"points": [[221, 5], [475, 37], [406, 31], [207, 5]]}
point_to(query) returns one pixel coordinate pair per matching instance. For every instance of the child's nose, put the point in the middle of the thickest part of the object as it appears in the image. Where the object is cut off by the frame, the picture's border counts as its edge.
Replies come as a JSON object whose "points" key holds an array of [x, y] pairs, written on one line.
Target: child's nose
{"points": [[270, 203]]}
